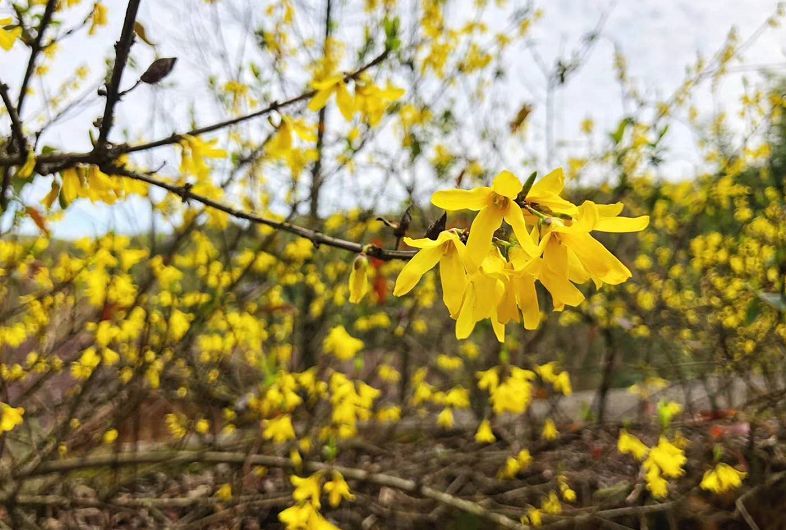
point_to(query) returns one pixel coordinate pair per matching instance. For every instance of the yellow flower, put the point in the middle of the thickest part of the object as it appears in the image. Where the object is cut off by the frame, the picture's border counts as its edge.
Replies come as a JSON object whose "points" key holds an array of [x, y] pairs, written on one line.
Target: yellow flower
{"points": [[10, 417], [482, 296], [99, 18], [110, 436], [8, 36], [448, 251], [520, 291], [307, 489], [667, 411], [372, 100], [484, 434], [194, 151], [279, 429], [552, 505], [534, 517], [445, 418], [629, 444], [550, 431], [358, 279], [341, 344], [545, 194], [513, 395], [668, 457], [326, 88], [338, 490], [493, 205], [722, 478], [224, 492]]}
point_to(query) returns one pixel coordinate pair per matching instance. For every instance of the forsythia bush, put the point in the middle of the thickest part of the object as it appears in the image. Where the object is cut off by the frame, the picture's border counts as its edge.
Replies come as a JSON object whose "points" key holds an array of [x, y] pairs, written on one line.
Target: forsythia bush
{"points": [[254, 332]]}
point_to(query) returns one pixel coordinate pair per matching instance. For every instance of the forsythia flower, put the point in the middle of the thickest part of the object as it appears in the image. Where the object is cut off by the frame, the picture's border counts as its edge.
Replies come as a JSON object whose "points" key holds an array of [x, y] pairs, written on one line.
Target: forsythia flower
{"points": [[10, 417], [629, 444], [307, 489], [550, 431], [665, 460], [338, 490], [447, 250], [326, 88], [224, 492], [493, 205], [341, 344], [8, 36], [445, 418], [484, 434], [99, 18], [358, 279], [279, 429], [722, 478]]}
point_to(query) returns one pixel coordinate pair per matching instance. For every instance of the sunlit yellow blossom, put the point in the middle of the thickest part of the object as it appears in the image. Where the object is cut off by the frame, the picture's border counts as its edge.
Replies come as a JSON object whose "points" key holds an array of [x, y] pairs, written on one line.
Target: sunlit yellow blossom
{"points": [[722, 478], [358, 279], [493, 205], [338, 490], [326, 88], [10, 417], [550, 431], [279, 429], [447, 250], [308, 489], [484, 434], [629, 444], [99, 18], [341, 344], [8, 36]]}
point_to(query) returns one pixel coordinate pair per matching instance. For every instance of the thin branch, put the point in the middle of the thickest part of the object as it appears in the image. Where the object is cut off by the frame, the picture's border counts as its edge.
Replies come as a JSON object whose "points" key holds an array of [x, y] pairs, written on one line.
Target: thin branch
{"points": [[275, 106], [46, 19], [16, 123], [62, 160], [122, 49], [216, 457], [316, 237]]}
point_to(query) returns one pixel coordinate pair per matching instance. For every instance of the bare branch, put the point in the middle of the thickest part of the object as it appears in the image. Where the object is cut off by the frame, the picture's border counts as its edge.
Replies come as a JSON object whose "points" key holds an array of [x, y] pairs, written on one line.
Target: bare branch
{"points": [[217, 457], [122, 49], [16, 123], [316, 237], [46, 19]]}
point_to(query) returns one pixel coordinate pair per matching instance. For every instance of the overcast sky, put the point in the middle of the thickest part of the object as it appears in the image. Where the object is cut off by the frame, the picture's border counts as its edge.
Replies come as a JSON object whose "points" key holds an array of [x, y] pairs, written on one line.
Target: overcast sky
{"points": [[659, 38]]}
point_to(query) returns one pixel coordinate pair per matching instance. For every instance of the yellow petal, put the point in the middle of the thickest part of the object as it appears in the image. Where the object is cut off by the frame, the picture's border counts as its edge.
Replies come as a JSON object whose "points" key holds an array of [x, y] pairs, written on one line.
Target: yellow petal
{"points": [[622, 224], [465, 322], [596, 259], [527, 300], [562, 291], [461, 199], [453, 279], [415, 269], [320, 99], [507, 185], [554, 182], [345, 101], [480, 233], [515, 218]]}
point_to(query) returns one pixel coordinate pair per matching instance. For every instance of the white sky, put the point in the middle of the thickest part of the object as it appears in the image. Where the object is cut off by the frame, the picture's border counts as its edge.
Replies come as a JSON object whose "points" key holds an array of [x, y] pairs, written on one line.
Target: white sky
{"points": [[660, 38]]}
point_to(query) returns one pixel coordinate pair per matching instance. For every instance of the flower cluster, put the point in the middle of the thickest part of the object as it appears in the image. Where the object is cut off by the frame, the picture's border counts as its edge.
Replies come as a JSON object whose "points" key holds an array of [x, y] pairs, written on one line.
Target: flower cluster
{"points": [[493, 276]]}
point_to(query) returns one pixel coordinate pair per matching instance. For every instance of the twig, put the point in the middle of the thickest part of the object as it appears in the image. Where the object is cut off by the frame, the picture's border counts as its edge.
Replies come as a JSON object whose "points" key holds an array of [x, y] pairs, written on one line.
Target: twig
{"points": [[122, 49], [316, 237], [16, 123], [274, 106], [740, 504], [36, 49], [239, 458]]}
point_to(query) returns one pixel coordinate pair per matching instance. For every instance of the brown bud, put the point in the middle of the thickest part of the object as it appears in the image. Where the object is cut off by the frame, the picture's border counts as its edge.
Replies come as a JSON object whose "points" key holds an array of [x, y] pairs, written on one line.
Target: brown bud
{"points": [[158, 70]]}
